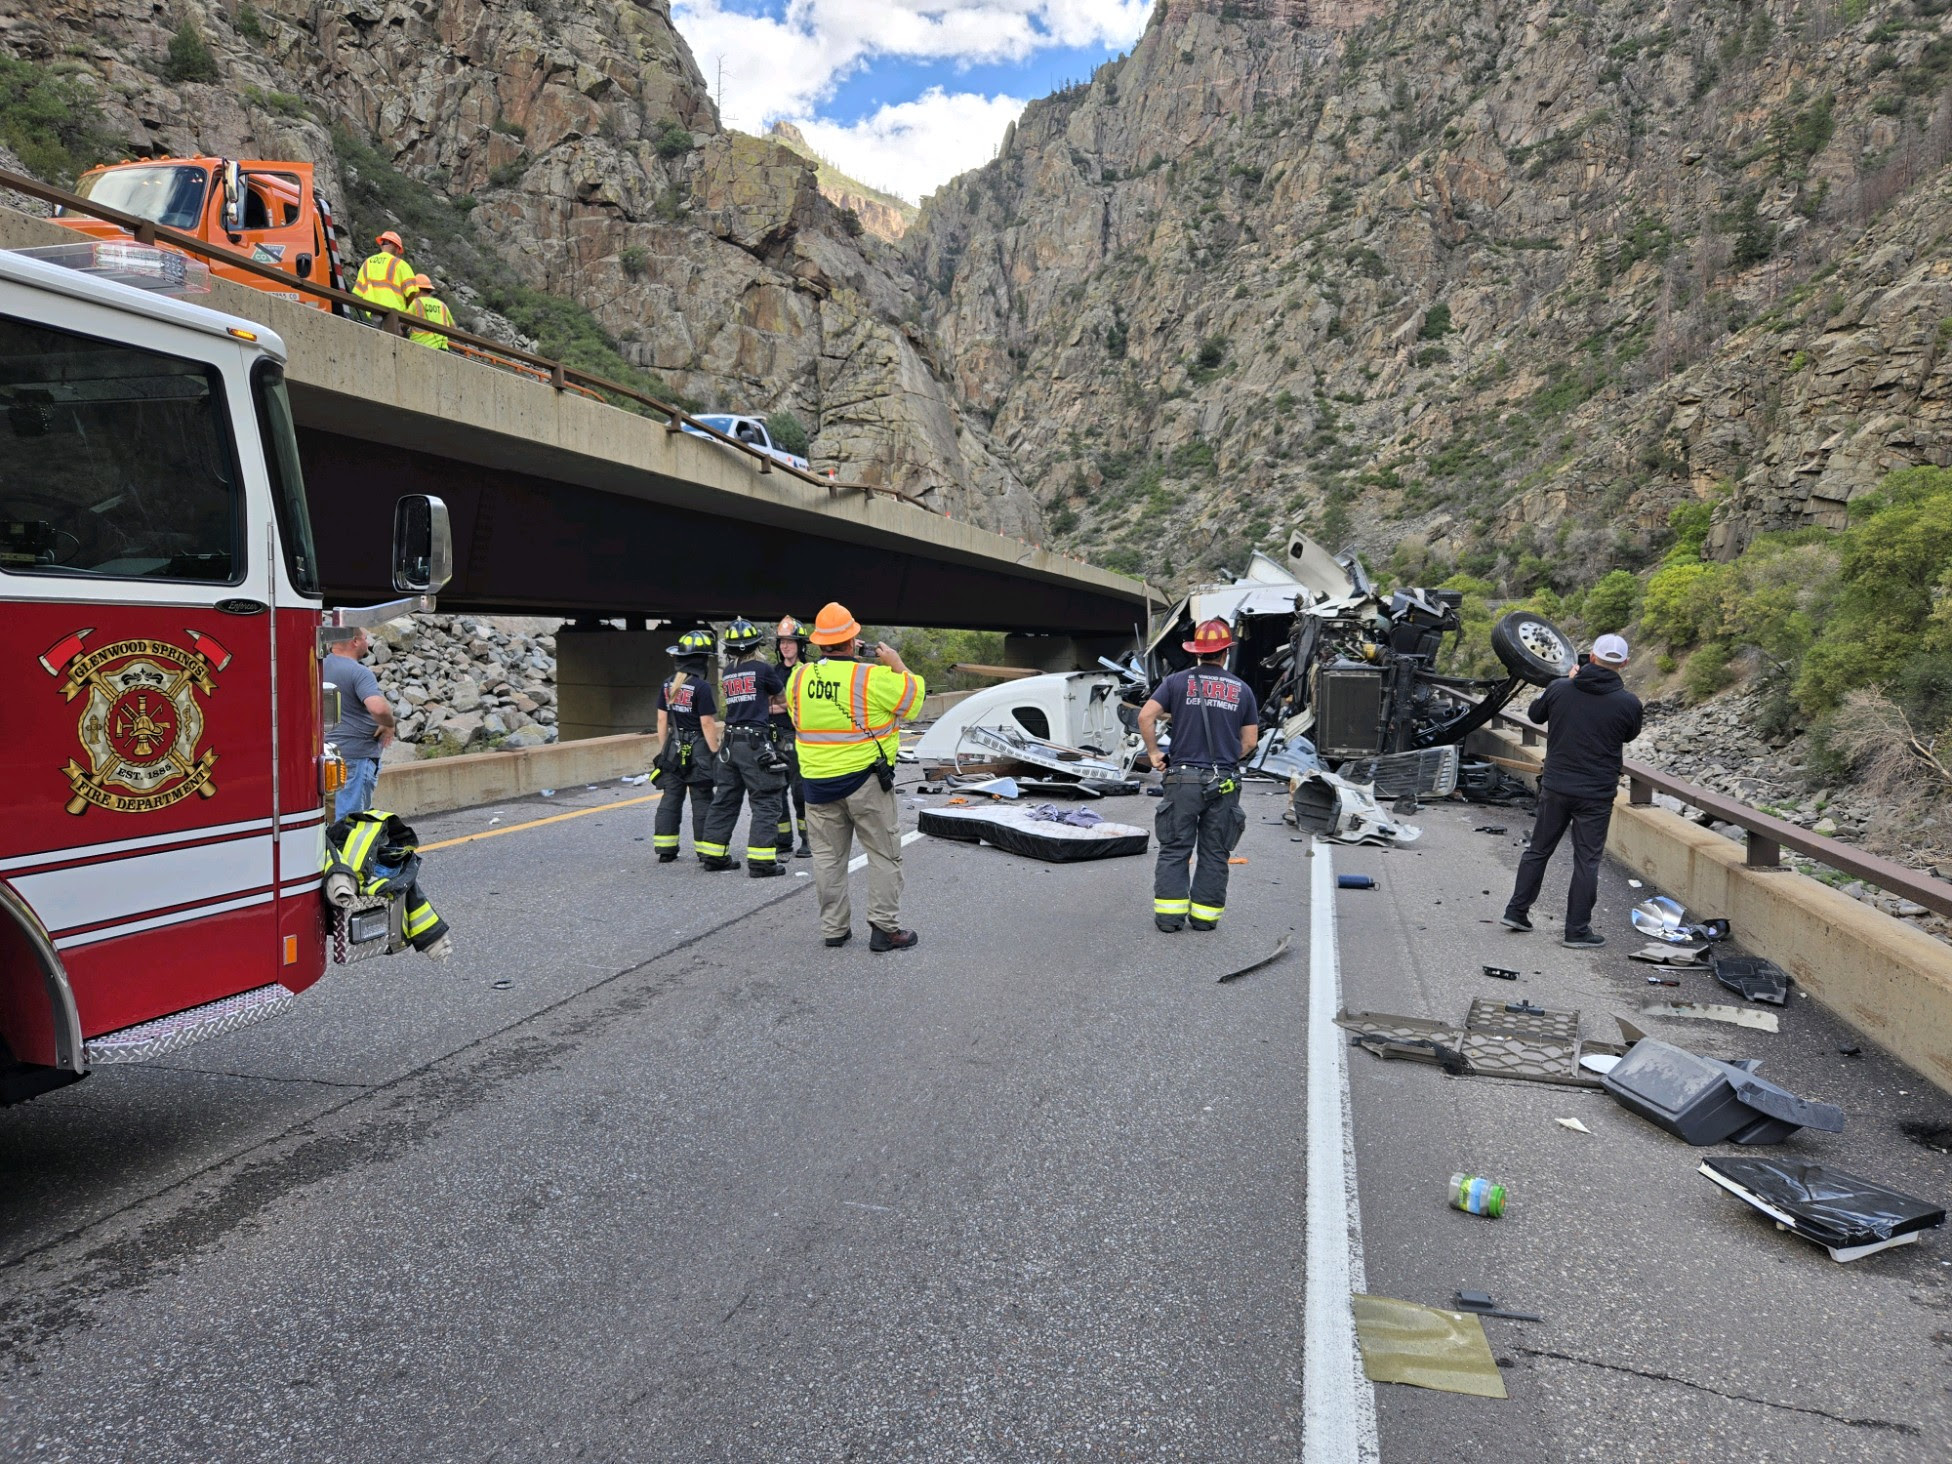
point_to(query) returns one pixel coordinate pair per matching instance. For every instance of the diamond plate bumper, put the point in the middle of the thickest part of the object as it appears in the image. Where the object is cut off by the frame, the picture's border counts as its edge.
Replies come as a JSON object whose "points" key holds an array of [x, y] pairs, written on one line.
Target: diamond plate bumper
{"points": [[179, 1029]]}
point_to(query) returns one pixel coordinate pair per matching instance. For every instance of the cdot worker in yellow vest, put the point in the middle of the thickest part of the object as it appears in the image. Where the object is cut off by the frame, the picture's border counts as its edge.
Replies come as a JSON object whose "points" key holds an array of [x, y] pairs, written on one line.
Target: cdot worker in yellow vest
{"points": [[846, 724], [424, 304], [385, 278]]}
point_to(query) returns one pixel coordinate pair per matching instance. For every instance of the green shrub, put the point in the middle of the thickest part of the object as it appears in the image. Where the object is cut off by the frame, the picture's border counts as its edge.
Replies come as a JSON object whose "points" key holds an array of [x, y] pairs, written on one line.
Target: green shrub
{"points": [[1610, 603], [189, 59], [248, 23], [673, 140], [1708, 671], [788, 432], [1680, 606], [1436, 323], [1213, 350], [52, 122], [509, 128], [1689, 523], [635, 259]]}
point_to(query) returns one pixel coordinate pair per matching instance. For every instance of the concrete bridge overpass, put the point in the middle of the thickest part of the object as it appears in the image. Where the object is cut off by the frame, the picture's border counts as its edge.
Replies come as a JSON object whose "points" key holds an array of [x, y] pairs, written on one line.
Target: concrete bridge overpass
{"points": [[564, 505]]}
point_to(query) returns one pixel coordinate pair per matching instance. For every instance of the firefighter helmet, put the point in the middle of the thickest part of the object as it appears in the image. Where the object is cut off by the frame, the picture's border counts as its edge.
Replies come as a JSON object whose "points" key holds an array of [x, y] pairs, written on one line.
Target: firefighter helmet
{"points": [[835, 625], [693, 643], [1209, 639], [790, 629], [742, 635]]}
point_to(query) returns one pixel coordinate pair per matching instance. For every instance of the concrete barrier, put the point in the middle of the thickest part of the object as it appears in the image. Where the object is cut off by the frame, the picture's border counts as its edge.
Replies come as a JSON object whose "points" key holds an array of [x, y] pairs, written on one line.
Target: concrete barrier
{"points": [[938, 702], [1890, 981], [437, 784]]}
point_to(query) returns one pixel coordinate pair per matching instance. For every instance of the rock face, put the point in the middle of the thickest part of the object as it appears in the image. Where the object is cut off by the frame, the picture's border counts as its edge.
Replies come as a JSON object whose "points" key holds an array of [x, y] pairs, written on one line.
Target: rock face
{"points": [[880, 214], [1511, 280], [580, 140]]}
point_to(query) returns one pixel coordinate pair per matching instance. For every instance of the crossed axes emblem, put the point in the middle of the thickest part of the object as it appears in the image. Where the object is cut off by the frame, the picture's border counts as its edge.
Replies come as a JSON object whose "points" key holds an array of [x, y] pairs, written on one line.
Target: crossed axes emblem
{"points": [[84, 671]]}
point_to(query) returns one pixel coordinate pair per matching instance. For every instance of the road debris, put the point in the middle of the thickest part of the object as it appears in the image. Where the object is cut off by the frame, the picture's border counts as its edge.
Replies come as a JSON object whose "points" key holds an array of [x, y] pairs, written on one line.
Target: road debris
{"points": [[1754, 978], [1846, 1214], [1663, 918], [1599, 1062], [1269, 959], [1702, 1100], [1423, 1347], [1670, 957], [1480, 1303], [1713, 1012], [1354, 882], [1572, 1123], [1019, 831], [1489, 829], [638, 781], [1503, 973], [1476, 1195], [1332, 807], [1498, 1039]]}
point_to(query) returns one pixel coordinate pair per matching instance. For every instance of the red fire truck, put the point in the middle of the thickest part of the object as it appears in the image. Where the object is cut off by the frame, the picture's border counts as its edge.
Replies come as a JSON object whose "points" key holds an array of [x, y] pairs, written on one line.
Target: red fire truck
{"points": [[163, 772]]}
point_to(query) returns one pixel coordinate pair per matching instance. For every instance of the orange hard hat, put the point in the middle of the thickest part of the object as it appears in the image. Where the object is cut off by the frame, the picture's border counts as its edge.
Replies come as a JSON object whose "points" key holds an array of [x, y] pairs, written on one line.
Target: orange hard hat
{"points": [[389, 237], [420, 282], [835, 625], [1210, 638]]}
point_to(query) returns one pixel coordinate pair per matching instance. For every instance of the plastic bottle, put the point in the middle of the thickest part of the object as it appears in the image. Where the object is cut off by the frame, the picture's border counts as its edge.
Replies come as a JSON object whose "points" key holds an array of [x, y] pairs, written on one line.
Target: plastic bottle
{"points": [[1476, 1195]]}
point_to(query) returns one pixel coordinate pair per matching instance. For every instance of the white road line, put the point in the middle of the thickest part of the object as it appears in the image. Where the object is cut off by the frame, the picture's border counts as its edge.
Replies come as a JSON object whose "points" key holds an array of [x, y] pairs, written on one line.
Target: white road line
{"points": [[860, 861], [1338, 1402]]}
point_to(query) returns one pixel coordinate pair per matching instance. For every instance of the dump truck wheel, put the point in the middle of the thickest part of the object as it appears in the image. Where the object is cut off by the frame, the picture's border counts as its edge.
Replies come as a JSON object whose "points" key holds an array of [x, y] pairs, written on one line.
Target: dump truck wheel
{"points": [[1532, 647]]}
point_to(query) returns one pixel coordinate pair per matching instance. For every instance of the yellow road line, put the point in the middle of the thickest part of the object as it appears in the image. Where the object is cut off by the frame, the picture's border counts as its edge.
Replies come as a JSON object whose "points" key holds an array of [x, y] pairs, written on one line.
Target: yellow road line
{"points": [[536, 823]]}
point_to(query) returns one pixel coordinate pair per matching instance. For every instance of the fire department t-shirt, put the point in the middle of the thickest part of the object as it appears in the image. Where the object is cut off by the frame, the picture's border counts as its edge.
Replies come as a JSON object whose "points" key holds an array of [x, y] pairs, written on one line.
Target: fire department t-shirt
{"points": [[1208, 706], [685, 703], [749, 688], [354, 734]]}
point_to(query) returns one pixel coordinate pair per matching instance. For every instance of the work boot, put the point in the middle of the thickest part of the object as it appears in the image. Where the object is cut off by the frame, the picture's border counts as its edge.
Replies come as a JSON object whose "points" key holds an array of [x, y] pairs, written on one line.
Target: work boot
{"points": [[1199, 924], [805, 851], [1515, 922], [892, 940], [764, 869], [715, 864], [667, 856], [1170, 924], [1583, 940], [839, 940]]}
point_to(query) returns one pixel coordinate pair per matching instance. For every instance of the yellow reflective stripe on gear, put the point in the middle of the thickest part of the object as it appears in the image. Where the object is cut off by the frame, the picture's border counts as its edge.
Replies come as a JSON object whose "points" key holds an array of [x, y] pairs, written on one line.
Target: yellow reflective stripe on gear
{"points": [[907, 697], [664, 841], [1170, 907], [420, 919], [1206, 912], [716, 851], [767, 855], [859, 694]]}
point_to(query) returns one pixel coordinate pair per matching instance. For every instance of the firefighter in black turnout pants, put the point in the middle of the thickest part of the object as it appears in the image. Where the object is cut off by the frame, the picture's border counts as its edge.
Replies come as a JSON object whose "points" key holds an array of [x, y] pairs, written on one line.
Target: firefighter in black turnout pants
{"points": [[1215, 725], [791, 643], [748, 761], [688, 738]]}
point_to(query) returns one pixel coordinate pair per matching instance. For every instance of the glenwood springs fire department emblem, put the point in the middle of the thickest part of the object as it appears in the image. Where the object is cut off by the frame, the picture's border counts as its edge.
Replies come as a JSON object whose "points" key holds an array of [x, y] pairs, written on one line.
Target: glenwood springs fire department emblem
{"points": [[140, 720]]}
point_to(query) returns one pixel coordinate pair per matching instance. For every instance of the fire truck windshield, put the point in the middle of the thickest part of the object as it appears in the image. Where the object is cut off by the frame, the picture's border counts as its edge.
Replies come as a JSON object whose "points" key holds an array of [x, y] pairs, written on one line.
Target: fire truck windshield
{"points": [[115, 462], [170, 194]]}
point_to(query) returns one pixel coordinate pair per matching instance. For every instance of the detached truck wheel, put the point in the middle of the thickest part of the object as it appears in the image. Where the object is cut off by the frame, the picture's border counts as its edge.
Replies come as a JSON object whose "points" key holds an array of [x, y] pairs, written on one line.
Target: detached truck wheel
{"points": [[1532, 647]]}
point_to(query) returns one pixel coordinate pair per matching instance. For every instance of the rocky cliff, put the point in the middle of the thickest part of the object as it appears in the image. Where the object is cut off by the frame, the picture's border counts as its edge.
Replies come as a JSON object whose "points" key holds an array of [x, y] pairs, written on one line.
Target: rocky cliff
{"points": [[1504, 279], [881, 214], [574, 145]]}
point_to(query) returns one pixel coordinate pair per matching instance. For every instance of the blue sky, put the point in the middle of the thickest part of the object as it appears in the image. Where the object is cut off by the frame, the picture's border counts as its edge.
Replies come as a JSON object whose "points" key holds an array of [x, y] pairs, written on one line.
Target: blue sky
{"points": [[903, 94]]}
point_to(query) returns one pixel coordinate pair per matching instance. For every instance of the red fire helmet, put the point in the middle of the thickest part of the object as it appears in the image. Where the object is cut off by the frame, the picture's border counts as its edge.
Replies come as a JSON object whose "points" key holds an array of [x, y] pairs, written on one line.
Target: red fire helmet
{"points": [[1210, 638]]}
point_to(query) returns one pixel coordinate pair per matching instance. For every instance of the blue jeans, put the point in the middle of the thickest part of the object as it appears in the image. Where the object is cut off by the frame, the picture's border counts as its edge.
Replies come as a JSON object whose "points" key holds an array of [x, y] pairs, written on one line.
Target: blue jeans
{"points": [[362, 773]]}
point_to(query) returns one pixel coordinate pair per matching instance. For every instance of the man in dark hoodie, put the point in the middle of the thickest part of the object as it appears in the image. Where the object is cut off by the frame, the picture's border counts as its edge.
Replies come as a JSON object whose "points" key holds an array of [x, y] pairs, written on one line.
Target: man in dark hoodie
{"points": [[1589, 717]]}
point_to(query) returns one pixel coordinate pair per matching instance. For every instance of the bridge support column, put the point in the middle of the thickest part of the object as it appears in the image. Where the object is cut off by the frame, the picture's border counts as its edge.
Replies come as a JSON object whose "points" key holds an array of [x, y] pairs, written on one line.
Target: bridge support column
{"points": [[607, 679], [1062, 652]]}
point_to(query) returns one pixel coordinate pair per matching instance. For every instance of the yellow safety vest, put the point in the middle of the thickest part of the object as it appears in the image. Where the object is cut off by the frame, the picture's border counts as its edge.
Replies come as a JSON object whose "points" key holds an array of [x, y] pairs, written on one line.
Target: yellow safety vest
{"points": [[429, 307], [841, 709], [382, 281]]}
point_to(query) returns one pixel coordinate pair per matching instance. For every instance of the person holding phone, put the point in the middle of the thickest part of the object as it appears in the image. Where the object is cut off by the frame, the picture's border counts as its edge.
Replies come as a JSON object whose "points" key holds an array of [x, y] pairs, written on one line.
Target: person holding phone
{"points": [[847, 709]]}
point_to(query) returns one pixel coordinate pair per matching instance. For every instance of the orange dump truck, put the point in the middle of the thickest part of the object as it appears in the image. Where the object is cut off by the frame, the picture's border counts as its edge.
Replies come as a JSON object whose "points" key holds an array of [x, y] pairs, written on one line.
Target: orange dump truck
{"points": [[271, 211]]}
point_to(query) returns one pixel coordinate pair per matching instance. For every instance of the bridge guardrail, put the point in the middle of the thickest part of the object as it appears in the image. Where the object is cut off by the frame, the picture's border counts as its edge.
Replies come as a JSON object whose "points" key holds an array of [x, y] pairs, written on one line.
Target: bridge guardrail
{"points": [[394, 322], [1766, 835]]}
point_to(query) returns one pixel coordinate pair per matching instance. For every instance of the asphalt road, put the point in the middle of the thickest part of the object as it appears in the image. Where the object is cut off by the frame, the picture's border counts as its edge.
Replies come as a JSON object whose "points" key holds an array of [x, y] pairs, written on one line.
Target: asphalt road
{"points": [[647, 1173]]}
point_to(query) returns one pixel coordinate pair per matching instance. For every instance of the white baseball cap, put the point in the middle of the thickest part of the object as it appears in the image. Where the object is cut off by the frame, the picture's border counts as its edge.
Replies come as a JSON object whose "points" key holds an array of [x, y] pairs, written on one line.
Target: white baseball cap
{"points": [[1611, 650]]}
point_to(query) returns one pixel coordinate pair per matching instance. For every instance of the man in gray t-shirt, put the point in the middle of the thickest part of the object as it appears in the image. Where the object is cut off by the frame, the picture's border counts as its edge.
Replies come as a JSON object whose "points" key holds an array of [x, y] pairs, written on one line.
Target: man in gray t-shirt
{"points": [[365, 722]]}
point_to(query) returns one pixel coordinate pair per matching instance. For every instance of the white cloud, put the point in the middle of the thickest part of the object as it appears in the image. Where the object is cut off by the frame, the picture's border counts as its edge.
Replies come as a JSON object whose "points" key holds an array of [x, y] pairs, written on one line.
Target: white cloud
{"points": [[785, 67], [912, 148]]}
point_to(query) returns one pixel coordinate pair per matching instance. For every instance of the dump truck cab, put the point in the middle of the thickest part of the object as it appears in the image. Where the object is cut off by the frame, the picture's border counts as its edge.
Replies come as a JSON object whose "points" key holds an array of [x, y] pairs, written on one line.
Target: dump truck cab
{"points": [[270, 210]]}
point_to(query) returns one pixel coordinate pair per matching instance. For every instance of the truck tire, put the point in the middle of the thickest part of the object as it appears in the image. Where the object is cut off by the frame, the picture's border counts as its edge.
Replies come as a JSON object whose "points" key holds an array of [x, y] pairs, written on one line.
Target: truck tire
{"points": [[1532, 647]]}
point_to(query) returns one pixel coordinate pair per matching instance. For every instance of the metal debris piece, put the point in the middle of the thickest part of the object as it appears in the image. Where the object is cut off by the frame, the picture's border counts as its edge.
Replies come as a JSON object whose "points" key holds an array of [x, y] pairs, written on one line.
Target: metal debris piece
{"points": [[1489, 829], [1424, 1347], [1671, 955], [1269, 959], [1574, 1124], [1503, 973], [1714, 1012], [1662, 918], [1754, 978], [1846, 1214], [1480, 1303]]}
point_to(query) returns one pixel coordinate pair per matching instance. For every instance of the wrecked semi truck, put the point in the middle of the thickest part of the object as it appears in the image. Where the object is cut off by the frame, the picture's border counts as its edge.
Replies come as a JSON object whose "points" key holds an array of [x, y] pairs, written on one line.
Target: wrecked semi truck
{"points": [[1346, 675]]}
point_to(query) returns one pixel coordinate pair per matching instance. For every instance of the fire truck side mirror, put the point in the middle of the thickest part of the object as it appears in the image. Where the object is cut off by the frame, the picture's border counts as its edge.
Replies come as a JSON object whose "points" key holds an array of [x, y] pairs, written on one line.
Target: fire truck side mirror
{"points": [[423, 548]]}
